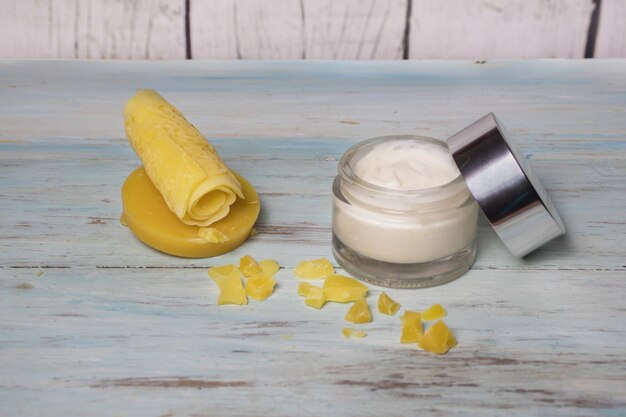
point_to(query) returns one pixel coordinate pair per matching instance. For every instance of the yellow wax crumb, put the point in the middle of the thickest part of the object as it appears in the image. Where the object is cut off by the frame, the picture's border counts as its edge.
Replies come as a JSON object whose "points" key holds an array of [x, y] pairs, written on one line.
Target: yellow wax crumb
{"points": [[287, 336], [39, 273], [229, 282], [412, 328], [359, 312], [386, 305], [343, 289], [303, 288], [253, 232], [434, 312], [269, 267], [437, 339], [315, 297], [353, 333], [260, 286], [211, 234], [316, 269], [249, 266]]}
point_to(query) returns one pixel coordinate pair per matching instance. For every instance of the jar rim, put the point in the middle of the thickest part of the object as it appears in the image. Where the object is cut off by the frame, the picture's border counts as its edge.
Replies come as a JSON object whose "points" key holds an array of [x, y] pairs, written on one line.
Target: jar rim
{"points": [[346, 171]]}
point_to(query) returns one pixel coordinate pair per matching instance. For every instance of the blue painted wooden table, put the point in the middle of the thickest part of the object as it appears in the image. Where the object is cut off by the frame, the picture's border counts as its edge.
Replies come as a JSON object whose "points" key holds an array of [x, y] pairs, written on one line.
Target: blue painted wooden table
{"points": [[93, 323]]}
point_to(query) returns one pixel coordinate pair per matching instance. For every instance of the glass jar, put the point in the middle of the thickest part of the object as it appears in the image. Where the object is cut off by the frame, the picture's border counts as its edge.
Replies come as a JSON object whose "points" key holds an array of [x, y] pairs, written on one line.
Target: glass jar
{"points": [[402, 238]]}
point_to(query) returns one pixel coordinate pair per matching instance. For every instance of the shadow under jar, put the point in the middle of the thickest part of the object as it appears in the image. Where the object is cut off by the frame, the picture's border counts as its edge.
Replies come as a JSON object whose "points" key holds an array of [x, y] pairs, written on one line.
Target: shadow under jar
{"points": [[403, 216]]}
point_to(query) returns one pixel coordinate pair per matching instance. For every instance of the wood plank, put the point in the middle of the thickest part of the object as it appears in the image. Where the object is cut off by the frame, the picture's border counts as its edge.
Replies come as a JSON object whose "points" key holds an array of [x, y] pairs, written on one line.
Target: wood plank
{"points": [[294, 29], [152, 342], [248, 29], [138, 29], [611, 39], [458, 29], [354, 29]]}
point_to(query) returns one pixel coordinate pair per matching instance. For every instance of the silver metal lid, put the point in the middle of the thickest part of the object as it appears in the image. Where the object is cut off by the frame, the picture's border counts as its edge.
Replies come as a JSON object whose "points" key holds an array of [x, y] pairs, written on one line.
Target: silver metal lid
{"points": [[497, 175]]}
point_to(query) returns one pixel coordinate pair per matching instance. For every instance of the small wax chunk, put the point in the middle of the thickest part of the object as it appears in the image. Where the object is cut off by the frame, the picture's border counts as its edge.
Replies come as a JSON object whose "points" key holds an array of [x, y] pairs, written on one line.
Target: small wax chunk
{"points": [[412, 329], [434, 312], [269, 266], [213, 235], [437, 339], [315, 297], [316, 269], [386, 305], [249, 266], [303, 288], [353, 333], [359, 312], [260, 286], [343, 289], [228, 280]]}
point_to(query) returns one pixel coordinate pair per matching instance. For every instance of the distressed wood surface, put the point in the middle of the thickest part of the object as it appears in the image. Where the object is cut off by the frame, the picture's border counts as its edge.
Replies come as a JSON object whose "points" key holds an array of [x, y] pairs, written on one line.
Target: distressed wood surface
{"points": [[611, 40], [137, 29], [499, 29], [94, 323], [308, 29]]}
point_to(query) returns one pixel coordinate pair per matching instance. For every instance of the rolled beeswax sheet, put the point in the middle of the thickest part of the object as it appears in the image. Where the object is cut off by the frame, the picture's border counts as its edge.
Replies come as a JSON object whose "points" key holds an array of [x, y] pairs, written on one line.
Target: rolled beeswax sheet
{"points": [[194, 181]]}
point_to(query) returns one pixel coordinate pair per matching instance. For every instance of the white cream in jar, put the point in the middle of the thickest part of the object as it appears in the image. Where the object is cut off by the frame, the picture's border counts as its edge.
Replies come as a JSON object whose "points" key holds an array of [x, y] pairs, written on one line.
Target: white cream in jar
{"points": [[402, 214]]}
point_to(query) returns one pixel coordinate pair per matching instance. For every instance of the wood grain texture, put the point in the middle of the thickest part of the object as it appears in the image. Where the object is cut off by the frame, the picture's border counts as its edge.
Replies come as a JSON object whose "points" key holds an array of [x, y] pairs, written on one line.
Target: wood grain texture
{"points": [[354, 29], [298, 29], [611, 40], [137, 29], [94, 323], [459, 29]]}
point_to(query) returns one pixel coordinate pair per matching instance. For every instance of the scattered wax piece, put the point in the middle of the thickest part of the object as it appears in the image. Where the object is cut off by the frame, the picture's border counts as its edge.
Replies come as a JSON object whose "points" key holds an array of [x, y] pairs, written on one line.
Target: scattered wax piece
{"points": [[434, 312], [213, 235], [303, 289], [359, 312], [260, 286], [437, 339], [343, 289], [249, 266], [195, 183], [315, 297], [228, 280], [269, 267], [253, 232], [412, 329], [151, 221], [353, 333], [386, 305], [316, 269]]}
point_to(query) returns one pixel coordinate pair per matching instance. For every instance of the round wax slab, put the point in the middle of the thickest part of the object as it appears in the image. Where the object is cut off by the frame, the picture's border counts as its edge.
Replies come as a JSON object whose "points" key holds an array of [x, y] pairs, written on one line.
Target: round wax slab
{"points": [[151, 221]]}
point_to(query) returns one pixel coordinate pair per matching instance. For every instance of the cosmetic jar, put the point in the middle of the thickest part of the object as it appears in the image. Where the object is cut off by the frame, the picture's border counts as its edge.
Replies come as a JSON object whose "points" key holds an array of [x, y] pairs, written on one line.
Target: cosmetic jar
{"points": [[405, 208], [402, 214]]}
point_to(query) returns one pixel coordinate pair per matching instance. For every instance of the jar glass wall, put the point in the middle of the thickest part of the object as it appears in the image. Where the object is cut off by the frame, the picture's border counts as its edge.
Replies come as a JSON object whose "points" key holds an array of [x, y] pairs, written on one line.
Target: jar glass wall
{"points": [[402, 238]]}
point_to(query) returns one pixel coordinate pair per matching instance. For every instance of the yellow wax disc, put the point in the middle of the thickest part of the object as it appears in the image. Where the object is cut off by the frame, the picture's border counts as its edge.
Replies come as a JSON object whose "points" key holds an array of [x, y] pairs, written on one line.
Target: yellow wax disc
{"points": [[146, 214]]}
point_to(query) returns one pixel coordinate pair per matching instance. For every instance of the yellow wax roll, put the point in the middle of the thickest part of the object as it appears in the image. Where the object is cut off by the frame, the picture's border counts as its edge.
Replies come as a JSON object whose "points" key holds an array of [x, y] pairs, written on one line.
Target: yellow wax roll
{"points": [[149, 218], [194, 181]]}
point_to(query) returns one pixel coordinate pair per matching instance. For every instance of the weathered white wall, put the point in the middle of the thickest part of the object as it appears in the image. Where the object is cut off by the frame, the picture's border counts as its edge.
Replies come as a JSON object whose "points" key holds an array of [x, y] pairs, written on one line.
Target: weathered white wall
{"points": [[309, 29]]}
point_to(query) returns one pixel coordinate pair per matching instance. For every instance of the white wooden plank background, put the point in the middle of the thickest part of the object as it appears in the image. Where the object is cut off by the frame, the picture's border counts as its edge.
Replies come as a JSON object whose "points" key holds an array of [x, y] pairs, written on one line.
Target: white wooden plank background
{"points": [[111, 327], [310, 29], [499, 29], [611, 40]]}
